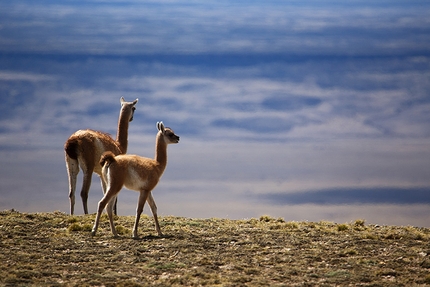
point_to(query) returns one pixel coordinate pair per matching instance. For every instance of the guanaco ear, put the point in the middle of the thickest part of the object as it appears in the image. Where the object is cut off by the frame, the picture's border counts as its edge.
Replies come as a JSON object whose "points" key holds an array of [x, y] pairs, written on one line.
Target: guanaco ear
{"points": [[135, 101], [122, 100], [160, 126]]}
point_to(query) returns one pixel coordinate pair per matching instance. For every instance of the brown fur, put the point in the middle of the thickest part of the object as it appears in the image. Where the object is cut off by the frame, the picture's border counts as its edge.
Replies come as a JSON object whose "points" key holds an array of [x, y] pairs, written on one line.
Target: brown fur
{"points": [[71, 148], [74, 142], [84, 148], [136, 173], [108, 157]]}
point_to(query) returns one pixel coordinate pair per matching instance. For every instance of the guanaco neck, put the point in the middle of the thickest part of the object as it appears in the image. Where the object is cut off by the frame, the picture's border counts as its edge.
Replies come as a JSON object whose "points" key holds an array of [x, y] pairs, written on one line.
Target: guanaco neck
{"points": [[122, 132], [161, 151]]}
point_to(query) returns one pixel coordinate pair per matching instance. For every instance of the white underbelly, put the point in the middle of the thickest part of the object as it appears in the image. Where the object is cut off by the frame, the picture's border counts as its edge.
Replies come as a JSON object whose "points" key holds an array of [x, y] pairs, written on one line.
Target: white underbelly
{"points": [[134, 180]]}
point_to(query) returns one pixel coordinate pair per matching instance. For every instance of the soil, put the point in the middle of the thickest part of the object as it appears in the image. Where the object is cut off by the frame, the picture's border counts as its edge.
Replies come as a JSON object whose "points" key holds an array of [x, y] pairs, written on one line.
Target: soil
{"points": [[58, 249]]}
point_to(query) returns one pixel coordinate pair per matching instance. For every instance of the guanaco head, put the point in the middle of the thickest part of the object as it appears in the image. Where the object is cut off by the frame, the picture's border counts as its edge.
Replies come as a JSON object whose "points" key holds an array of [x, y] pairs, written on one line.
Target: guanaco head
{"points": [[169, 135], [128, 107]]}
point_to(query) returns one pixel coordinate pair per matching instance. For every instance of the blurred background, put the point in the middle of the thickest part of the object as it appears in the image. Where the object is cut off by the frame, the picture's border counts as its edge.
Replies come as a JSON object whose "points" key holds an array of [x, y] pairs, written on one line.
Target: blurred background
{"points": [[306, 110]]}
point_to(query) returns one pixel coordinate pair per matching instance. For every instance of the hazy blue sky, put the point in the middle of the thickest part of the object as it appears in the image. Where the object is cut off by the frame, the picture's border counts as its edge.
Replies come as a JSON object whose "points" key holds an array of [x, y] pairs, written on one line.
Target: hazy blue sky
{"points": [[306, 110]]}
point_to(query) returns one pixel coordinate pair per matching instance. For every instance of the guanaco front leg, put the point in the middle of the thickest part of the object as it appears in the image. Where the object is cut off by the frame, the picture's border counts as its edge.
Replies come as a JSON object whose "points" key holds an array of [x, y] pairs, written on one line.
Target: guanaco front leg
{"points": [[153, 206]]}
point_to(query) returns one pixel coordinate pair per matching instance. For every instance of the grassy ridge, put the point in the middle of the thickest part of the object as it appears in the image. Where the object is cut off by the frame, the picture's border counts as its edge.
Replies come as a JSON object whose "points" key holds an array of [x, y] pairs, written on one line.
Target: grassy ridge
{"points": [[57, 249]]}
